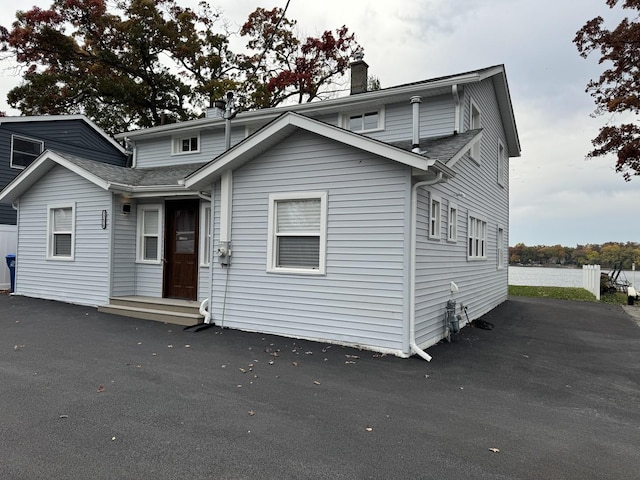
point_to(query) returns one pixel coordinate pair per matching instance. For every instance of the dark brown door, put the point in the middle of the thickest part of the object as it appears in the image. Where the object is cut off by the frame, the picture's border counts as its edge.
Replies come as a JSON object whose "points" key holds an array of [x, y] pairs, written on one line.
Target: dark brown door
{"points": [[181, 249]]}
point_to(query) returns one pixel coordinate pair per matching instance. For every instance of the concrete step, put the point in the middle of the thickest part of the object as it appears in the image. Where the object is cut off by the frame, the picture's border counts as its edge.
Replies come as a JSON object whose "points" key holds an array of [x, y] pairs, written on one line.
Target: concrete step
{"points": [[178, 312]]}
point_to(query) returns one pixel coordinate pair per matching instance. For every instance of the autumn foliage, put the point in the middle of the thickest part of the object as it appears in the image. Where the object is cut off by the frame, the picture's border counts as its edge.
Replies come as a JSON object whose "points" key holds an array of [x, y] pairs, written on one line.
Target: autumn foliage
{"points": [[142, 63], [617, 90]]}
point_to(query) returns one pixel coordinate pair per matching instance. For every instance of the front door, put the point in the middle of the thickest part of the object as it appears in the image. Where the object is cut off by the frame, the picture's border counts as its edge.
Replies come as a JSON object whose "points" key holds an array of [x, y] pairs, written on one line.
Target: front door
{"points": [[181, 249]]}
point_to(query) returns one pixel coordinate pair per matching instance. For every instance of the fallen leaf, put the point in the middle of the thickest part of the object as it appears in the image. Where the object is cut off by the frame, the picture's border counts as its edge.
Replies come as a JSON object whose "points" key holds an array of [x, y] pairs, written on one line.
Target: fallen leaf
{"points": [[295, 364], [352, 356], [369, 429], [251, 413], [100, 389], [242, 370], [64, 416], [169, 346], [494, 450], [113, 438], [308, 353], [187, 346], [316, 382]]}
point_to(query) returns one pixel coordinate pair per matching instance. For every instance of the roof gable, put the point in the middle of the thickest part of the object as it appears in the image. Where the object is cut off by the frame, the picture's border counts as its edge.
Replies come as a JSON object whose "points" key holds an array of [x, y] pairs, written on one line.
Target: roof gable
{"points": [[285, 125]]}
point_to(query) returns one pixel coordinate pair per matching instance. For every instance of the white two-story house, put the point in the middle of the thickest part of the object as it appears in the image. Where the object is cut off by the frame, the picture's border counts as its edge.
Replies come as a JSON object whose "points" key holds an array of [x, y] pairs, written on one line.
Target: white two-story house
{"points": [[352, 221]]}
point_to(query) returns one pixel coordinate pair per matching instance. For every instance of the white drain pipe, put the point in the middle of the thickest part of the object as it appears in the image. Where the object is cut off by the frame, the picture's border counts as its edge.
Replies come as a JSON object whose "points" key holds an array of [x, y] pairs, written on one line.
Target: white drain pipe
{"points": [[414, 348]]}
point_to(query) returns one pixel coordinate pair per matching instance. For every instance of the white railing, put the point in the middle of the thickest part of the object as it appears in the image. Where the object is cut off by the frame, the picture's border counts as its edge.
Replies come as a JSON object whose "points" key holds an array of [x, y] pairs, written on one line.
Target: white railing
{"points": [[8, 244], [591, 279]]}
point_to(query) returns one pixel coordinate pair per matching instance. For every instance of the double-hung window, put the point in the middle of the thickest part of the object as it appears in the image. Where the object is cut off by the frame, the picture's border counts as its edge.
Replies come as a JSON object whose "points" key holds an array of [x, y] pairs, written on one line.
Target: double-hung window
{"points": [[452, 233], [24, 151], [61, 232], [297, 233], [149, 233], [477, 246], [435, 217]]}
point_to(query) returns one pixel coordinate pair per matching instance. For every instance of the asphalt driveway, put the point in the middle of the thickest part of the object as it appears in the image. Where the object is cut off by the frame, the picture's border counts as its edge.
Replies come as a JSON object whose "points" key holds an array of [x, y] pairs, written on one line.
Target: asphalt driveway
{"points": [[552, 392]]}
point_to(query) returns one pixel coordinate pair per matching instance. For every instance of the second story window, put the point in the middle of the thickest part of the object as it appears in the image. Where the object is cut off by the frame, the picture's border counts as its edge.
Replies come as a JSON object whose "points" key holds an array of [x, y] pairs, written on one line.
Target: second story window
{"points": [[24, 151], [364, 122], [186, 144], [474, 124]]}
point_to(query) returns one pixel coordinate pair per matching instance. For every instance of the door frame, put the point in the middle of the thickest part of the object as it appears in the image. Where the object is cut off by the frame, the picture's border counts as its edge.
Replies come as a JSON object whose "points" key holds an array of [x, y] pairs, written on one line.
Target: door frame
{"points": [[169, 208]]}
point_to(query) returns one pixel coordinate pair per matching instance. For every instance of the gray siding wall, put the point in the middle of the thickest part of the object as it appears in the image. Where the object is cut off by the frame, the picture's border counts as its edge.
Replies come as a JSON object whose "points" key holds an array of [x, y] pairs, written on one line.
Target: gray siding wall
{"points": [[123, 281], [85, 280], [483, 286], [148, 277], [361, 298], [156, 152]]}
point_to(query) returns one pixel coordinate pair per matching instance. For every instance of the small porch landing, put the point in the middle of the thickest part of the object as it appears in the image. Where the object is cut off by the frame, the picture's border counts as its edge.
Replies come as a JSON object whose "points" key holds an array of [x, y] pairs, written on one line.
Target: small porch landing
{"points": [[167, 310]]}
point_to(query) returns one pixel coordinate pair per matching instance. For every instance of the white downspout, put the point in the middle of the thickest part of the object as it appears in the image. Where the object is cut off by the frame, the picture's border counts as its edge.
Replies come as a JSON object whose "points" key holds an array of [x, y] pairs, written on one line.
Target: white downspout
{"points": [[412, 265], [205, 309]]}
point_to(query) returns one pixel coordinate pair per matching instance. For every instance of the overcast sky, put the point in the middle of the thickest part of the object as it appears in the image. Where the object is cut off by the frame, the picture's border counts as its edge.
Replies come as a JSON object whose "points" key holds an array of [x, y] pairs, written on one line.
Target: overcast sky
{"points": [[557, 197]]}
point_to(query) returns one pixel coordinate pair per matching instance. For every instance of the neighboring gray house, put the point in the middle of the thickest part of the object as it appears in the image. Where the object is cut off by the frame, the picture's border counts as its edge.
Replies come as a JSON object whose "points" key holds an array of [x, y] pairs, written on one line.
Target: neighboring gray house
{"points": [[350, 221], [23, 139]]}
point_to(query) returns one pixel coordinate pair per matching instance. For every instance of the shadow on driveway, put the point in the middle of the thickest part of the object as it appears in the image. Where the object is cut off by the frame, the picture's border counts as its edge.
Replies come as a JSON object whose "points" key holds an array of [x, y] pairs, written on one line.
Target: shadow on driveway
{"points": [[552, 389]]}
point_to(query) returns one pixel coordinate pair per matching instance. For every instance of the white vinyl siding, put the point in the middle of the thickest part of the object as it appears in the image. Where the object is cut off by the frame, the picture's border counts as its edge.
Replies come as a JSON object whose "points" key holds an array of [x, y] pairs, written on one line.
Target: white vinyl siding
{"points": [[85, 280], [150, 221], [123, 275], [60, 228], [297, 233], [361, 298], [24, 151], [474, 189]]}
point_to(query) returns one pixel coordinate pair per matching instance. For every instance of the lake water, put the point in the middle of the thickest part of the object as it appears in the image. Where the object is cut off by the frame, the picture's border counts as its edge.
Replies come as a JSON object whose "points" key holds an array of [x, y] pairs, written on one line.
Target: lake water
{"points": [[556, 277]]}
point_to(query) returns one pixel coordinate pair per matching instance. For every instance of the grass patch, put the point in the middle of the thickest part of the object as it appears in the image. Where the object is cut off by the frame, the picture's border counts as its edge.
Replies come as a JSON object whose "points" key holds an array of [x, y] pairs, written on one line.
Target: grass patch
{"points": [[563, 293]]}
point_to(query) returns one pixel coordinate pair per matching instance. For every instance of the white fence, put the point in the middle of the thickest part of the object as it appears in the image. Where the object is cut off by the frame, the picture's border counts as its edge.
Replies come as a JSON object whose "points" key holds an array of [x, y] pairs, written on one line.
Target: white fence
{"points": [[8, 244], [591, 279]]}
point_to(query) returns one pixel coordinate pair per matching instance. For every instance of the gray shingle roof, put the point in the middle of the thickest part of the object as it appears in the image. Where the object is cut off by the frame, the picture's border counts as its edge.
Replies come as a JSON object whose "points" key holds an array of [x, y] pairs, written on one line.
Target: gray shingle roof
{"points": [[137, 177], [441, 148]]}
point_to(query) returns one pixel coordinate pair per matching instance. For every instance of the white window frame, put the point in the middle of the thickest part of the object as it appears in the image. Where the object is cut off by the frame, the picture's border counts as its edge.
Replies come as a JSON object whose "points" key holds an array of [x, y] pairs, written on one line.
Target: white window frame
{"points": [[51, 233], [176, 144], [502, 164], [205, 234], [476, 237], [475, 122], [345, 120], [435, 219], [500, 247], [452, 222], [140, 233], [26, 139], [272, 233]]}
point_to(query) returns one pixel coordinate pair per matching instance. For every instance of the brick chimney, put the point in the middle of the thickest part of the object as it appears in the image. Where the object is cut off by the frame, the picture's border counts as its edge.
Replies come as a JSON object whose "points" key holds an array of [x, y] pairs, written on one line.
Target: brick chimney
{"points": [[359, 74]]}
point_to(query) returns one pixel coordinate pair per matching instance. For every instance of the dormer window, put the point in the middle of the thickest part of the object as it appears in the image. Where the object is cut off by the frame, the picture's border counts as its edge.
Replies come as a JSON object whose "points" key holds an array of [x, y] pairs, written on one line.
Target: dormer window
{"points": [[24, 151], [186, 144], [367, 121]]}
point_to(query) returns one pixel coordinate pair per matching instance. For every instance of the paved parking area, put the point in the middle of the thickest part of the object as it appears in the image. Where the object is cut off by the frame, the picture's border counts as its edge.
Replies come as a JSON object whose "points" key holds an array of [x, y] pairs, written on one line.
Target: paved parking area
{"points": [[551, 392]]}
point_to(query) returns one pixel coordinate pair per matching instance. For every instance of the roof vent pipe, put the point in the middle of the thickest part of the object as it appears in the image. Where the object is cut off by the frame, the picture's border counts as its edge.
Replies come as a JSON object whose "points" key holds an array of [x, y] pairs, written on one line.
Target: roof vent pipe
{"points": [[415, 143]]}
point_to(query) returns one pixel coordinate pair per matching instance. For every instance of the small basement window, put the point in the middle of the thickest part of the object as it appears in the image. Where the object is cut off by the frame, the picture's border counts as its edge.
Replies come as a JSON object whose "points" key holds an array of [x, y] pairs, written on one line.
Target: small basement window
{"points": [[24, 151]]}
